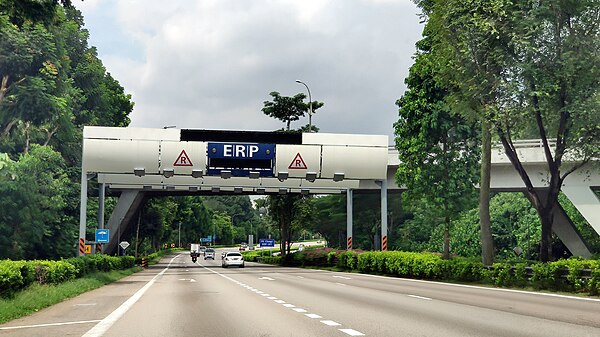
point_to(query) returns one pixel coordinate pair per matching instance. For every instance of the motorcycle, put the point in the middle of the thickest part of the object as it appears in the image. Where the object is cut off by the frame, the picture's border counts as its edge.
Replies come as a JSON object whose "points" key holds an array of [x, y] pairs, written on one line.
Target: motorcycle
{"points": [[194, 259]]}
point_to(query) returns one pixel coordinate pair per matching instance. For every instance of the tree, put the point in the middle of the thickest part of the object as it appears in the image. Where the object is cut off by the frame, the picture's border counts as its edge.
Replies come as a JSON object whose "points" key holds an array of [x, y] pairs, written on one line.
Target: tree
{"points": [[531, 69], [51, 82], [29, 92], [288, 109], [32, 199], [289, 211], [437, 148], [331, 215]]}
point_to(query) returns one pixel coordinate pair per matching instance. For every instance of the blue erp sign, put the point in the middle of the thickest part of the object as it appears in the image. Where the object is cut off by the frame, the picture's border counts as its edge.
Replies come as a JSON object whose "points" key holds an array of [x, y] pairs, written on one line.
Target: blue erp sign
{"points": [[102, 235], [241, 159]]}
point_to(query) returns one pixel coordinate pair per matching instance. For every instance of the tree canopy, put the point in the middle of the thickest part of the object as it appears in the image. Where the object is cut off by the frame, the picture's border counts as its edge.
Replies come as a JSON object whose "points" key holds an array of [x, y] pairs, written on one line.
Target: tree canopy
{"points": [[288, 109], [531, 69]]}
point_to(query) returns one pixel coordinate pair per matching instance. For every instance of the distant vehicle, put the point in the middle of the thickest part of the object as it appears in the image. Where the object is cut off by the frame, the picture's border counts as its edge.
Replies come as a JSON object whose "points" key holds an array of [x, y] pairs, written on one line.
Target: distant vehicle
{"points": [[209, 253], [301, 248], [243, 247], [232, 259], [251, 247], [202, 250], [195, 251]]}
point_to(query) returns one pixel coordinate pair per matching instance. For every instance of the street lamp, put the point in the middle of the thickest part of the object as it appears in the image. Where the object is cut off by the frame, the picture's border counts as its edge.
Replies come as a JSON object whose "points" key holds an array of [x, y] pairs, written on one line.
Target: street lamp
{"points": [[310, 111]]}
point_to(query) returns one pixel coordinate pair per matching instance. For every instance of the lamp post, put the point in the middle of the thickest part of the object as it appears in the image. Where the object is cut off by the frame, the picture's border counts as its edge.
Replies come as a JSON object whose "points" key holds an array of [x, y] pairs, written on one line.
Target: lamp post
{"points": [[179, 234], [310, 111]]}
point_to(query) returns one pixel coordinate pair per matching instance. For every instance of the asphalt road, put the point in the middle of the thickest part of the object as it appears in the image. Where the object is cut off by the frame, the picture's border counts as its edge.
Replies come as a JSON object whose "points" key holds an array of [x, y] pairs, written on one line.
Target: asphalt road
{"points": [[179, 298]]}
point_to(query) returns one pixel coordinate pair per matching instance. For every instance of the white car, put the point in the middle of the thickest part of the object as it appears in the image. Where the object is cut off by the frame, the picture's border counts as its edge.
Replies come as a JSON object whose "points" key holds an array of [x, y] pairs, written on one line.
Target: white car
{"points": [[209, 253], [232, 259]]}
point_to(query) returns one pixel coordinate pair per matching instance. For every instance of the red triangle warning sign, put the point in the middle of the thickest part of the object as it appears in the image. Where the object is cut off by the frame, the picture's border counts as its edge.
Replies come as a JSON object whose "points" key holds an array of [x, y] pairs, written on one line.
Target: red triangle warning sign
{"points": [[183, 160], [298, 163]]}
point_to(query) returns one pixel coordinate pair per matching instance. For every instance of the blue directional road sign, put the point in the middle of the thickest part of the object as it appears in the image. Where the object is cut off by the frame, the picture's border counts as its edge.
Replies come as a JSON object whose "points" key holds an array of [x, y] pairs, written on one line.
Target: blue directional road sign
{"points": [[102, 235], [267, 242]]}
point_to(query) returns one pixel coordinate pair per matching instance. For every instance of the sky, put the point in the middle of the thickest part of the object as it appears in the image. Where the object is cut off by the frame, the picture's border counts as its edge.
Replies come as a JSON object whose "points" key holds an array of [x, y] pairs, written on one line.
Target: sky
{"points": [[211, 64]]}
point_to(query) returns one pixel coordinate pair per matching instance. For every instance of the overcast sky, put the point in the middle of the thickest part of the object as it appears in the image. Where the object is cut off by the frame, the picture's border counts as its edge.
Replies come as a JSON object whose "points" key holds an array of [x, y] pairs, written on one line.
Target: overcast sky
{"points": [[210, 64]]}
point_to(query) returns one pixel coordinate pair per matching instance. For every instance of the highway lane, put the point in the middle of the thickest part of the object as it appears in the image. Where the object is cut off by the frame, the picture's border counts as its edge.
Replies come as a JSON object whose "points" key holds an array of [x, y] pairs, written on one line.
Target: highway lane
{"points": [[204, 299]]}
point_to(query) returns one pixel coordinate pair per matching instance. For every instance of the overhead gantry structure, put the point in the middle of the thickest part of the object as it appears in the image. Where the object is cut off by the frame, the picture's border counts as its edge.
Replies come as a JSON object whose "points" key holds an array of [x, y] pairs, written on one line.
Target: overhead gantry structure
{"points": [[140, 162]]}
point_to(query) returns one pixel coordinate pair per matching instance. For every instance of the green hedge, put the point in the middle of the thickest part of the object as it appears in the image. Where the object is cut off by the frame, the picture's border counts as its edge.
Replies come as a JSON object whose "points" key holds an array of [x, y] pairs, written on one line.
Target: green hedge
{"points": [[271, 259], [17, 275], [574, 274]]}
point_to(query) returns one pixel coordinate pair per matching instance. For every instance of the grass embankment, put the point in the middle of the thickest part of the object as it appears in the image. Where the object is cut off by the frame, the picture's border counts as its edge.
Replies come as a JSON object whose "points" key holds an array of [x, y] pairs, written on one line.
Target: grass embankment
{"points": [[39, 296]]}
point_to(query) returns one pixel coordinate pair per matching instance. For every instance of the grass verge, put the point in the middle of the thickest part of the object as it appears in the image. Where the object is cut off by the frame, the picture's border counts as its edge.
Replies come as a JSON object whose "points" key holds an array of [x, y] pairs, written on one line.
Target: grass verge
{"points": [[37, 297]]}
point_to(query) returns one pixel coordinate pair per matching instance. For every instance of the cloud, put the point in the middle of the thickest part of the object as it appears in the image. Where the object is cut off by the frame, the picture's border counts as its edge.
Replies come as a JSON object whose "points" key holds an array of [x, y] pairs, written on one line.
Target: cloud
{"points": [[211, 64]]}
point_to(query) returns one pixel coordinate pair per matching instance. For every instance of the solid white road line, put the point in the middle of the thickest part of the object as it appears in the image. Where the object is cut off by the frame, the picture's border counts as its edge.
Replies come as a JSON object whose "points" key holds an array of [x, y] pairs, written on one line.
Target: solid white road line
{"points": [[105, 324], [47, 324], [342, 277], [420, 297], [484, 288]]}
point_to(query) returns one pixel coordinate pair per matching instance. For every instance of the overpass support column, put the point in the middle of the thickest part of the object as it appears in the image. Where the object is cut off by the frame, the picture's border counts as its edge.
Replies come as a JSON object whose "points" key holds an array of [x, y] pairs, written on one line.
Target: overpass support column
{"points": [[384, 229], [101, 195], [586, 202], [349, 219], [82, 214]]}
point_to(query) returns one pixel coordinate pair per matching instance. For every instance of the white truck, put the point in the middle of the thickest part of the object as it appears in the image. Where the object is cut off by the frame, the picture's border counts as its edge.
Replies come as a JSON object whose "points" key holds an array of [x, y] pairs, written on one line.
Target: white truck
{"points": [[195, 251]]}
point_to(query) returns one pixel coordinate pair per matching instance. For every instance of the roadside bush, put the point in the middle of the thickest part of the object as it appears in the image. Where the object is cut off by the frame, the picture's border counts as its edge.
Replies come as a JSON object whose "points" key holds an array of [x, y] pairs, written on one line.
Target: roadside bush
{"points": [[251, 256], [54, 271], [17, 275], [332, 258], [365, 262], [348, 260], [271, 259], [60, 271], [311, 257], [11, 279]]}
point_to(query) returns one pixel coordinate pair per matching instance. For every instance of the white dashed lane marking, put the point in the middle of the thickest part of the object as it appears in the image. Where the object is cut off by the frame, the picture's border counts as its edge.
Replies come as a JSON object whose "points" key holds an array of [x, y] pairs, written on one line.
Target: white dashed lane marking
{"points": [[350, 332], [330, 323]]}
